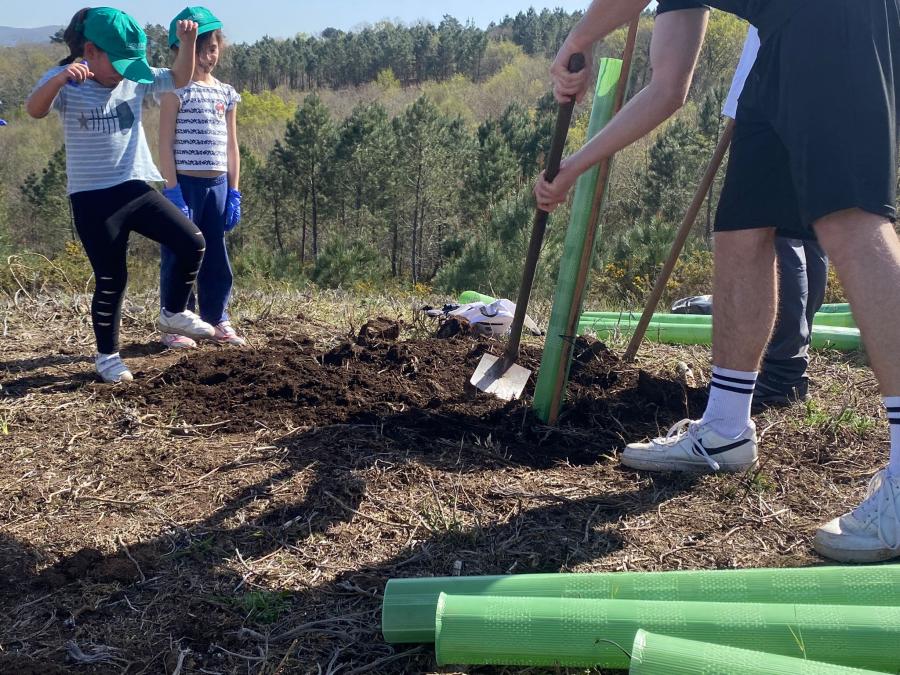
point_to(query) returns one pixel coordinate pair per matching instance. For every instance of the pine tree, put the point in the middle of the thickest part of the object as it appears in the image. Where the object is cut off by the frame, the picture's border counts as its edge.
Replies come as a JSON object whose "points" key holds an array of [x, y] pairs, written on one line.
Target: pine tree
{"points": [[432, 152], [495, 173], [45, 194], [364, 168], [306, 157]]}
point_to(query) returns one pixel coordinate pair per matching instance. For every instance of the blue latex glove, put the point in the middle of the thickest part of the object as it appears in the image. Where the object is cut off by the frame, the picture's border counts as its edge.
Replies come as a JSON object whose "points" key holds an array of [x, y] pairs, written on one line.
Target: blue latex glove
{"points": [[232, 209], [2, 123], [174, 195]]}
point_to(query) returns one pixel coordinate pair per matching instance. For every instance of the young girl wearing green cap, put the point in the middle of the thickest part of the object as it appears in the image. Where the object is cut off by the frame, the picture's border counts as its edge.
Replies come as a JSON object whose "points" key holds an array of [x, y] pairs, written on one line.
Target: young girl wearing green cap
{"points": [[200, 161], [108, 163]]}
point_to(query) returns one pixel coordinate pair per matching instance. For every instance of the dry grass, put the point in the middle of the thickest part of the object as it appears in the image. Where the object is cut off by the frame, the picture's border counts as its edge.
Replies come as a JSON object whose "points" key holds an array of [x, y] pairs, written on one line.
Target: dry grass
{"points": [[133, 542]]}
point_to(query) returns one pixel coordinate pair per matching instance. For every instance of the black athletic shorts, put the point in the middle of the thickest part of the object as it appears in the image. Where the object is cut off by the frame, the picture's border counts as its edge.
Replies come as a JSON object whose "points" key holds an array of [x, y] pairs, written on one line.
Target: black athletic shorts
{"points": [[816, 126]]}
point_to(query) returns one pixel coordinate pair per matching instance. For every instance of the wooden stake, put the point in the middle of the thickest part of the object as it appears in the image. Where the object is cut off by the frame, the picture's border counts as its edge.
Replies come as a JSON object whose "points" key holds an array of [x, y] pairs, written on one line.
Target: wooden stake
{"points": [[680, 238]]}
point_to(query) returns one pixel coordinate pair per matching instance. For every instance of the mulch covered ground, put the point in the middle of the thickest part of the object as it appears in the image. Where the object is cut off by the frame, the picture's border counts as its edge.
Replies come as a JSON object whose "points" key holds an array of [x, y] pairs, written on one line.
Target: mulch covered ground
{"points": [[240, 510]]}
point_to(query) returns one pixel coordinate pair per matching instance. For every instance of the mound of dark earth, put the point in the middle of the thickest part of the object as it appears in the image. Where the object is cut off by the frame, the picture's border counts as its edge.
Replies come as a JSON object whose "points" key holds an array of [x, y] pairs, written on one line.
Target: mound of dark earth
{"points": [[379, 379]]}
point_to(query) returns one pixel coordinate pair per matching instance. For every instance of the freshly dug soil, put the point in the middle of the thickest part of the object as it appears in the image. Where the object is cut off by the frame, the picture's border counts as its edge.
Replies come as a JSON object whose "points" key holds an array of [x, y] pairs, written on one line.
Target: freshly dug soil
{"points": [[378, 379]]}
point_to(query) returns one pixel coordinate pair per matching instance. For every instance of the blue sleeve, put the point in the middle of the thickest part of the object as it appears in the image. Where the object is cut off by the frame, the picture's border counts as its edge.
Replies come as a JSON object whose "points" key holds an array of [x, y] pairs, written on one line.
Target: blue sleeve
{"points": [[672, 5], [233, 97]]}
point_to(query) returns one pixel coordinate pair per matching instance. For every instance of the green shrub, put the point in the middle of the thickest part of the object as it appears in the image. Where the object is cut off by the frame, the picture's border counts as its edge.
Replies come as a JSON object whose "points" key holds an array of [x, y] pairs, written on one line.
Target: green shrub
{"points": [[255, 266], [34, 273], [343, 265]]}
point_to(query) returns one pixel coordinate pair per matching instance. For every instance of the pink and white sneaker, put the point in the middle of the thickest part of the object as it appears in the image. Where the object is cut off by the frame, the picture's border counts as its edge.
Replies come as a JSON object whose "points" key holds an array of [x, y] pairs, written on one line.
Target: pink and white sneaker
{"points": [[175, 341], [226, 335]]}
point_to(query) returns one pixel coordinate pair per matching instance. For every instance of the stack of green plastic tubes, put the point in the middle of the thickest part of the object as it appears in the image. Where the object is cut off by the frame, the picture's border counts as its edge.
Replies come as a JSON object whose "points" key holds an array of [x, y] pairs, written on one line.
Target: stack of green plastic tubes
{"points": [[823, 336], [653, 654], [563, 632], [838, 319], [409, 606]]}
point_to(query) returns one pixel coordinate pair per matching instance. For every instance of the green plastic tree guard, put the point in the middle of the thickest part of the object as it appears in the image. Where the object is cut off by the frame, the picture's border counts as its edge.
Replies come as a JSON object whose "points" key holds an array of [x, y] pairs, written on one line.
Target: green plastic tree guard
{"points": [[474, 296], [409, 605], [823, 337], [565, 632], [840, 319], [653, 654], [564, 300]]}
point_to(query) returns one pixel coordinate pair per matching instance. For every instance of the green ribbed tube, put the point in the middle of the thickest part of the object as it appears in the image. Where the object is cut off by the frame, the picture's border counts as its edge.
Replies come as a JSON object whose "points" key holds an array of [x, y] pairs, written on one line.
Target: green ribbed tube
{"points": [[582, 201], [409, 605], [653, 654], [563, 632], [839, 319], [823, 337]]}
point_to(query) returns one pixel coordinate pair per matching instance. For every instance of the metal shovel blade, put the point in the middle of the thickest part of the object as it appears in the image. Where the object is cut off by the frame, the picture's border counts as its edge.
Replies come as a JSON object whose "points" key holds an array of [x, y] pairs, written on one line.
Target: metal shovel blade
{"points": [[492, 377]]}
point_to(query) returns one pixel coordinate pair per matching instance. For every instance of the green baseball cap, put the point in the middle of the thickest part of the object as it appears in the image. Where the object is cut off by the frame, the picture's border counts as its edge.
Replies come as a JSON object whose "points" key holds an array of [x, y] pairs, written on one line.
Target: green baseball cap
{"points": [[123, 40], [206, 20]]}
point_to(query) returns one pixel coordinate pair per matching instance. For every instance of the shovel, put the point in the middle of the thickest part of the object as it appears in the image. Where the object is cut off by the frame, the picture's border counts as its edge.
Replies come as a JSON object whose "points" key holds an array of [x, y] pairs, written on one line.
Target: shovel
{"points": [[501, 375]]}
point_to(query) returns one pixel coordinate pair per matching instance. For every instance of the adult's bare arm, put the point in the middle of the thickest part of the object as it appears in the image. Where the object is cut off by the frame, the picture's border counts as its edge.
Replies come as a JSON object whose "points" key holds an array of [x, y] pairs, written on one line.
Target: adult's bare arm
{"points": [[677, 38], [600, 19]]}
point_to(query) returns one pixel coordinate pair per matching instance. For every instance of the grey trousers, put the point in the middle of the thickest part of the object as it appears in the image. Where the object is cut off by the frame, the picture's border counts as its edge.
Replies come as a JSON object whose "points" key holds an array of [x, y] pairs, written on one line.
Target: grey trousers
{"points": [[802, 277]]}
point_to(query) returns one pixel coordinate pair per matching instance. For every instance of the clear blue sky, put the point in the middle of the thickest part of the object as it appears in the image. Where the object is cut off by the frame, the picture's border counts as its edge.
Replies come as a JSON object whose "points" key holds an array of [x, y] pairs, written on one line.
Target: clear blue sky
{"points": [[248, 20]]}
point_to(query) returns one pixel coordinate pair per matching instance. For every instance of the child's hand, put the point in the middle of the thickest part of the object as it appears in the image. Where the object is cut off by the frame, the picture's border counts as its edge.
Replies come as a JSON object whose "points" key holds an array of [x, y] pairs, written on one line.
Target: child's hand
{"points": [[232, 209], [174, 195], [187, 31], [76, 73]]}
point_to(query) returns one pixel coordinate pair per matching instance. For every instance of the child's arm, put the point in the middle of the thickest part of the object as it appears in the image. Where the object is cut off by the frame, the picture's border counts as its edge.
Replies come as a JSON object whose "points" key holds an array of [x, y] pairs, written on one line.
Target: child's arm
{"points": [[233, 203], [168, 114], [234, 150], [183, 68], [41, 99]]}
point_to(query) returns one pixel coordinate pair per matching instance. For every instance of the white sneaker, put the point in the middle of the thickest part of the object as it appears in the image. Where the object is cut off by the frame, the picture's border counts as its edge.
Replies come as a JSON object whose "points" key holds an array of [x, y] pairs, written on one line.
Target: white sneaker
{"points": [[226, 335], [111, 368], [184, 323], [175, 341], [693, 447], [871, 531]]}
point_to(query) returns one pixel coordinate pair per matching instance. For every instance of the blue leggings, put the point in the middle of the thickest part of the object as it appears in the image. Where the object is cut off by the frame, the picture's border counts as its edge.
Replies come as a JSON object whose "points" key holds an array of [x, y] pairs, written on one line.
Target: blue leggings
{"points": [[206, 199]]}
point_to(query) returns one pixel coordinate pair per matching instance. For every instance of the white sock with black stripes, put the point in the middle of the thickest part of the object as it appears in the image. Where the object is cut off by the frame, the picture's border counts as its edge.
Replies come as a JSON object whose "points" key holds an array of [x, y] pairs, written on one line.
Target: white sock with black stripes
{"points": [[892, 403], [730, 397]]}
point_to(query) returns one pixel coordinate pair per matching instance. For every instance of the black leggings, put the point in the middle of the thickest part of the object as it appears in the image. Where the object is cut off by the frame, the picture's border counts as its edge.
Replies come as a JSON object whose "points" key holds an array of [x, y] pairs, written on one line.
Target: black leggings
{"points": [[104, 220]]}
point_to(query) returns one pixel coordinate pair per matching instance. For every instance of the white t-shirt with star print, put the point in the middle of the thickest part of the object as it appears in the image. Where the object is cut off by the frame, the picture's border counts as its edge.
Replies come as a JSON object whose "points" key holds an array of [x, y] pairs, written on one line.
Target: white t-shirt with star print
{"points": [[105, 141]]}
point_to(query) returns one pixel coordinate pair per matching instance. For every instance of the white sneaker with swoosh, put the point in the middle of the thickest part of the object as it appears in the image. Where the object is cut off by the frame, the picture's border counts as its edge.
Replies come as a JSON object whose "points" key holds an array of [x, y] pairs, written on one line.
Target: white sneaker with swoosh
{"points": [[692, 447], [871, 531]]}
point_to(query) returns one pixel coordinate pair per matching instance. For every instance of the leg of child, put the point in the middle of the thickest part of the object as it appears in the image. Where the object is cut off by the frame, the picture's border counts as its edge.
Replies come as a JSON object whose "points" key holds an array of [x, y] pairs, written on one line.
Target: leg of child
{"points": [[167, 279], [158, 219], [167, 262], [215, 279], [106, 243]]}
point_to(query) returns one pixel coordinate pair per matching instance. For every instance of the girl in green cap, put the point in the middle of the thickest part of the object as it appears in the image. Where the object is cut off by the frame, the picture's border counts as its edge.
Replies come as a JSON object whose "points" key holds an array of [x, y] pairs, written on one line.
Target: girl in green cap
{"points": [[108, 163], [200, 161]]}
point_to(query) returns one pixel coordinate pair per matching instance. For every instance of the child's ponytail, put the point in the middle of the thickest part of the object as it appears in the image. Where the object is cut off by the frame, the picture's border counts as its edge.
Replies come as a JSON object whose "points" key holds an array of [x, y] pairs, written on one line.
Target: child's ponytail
{"points": [[73, 36]]}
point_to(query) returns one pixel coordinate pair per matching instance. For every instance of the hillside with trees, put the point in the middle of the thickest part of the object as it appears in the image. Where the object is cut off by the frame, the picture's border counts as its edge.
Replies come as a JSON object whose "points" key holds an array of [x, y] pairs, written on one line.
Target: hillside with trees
{"points": [[403, 155]]}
